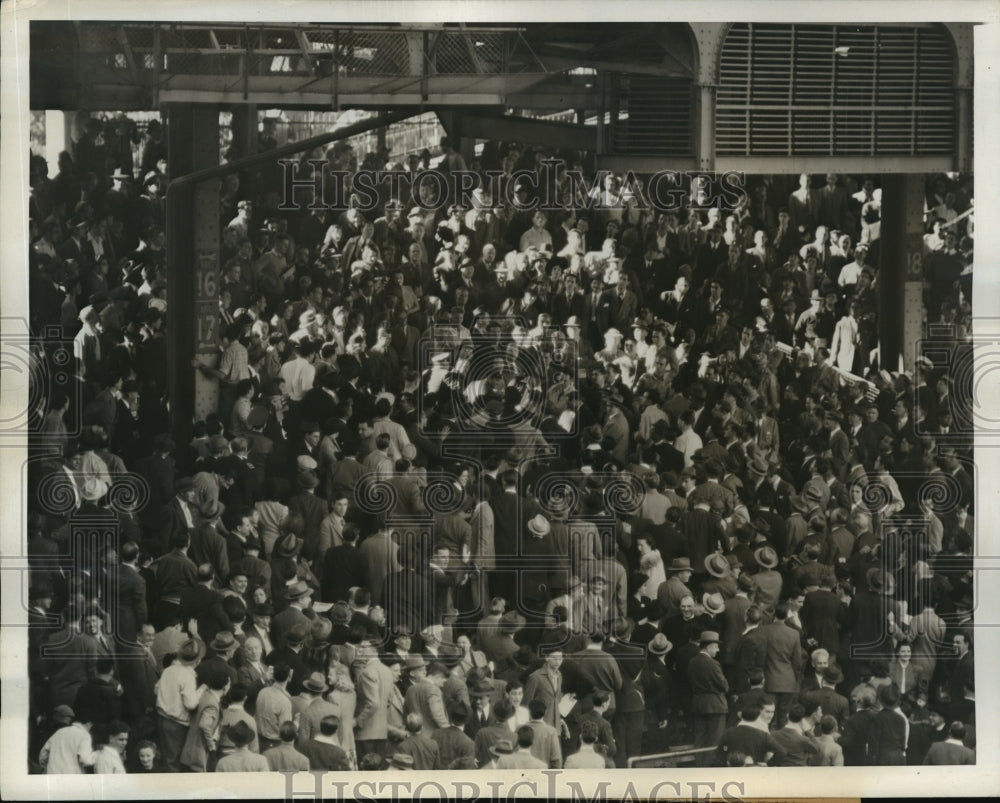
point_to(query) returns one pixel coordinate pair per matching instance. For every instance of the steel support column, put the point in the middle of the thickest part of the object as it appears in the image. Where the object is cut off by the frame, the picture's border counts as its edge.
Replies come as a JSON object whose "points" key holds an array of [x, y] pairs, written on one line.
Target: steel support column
{"points": [[244, 128], [193, 267], [193, 245], [900, 276]]}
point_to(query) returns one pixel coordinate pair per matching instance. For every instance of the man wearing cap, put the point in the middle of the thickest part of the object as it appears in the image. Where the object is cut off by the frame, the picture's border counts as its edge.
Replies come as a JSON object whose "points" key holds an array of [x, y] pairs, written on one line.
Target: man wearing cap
{"points": [[709, 695]]}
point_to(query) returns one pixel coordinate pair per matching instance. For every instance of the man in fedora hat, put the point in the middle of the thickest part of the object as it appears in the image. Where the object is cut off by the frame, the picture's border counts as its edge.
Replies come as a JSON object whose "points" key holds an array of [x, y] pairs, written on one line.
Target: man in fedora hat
{"points": [[713, 604], [218, 657], [675, 588], [483, 695], [767, 580], [311, 688], [656, 679], [721, 580], [709, 695], [400, 762], [299, 597], [208, 545], [241, 759], [424, 696]]}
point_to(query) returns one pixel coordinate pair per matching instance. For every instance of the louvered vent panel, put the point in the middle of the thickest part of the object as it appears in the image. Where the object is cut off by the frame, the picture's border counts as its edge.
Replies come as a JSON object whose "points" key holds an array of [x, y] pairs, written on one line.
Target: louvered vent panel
{"points": [[835, 91], [654, 116]]}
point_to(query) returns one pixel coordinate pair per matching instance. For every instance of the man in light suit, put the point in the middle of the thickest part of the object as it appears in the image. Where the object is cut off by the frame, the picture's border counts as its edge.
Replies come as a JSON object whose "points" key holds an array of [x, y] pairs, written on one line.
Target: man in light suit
{"points": [[545, 685], [783, 662], [374, 687], [424, 696]]}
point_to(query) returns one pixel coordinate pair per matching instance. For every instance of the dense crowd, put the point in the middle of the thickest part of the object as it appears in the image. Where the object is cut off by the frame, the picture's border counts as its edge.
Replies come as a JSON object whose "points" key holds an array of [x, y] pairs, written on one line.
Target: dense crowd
{"points": [[497, 487]]}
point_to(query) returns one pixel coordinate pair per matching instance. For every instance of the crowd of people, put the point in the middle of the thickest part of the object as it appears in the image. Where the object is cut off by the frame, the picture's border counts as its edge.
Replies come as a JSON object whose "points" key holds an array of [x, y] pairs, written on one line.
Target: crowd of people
{"points": [[498, 488]]}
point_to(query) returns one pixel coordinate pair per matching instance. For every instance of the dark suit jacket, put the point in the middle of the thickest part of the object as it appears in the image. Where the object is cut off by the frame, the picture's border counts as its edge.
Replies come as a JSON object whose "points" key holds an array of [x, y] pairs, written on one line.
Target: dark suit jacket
{"points": [[172, 521], [508, 513], [159, 475], [208, 546], [175, 572], [860, 739], [751, 651], [708, 685], [798, 748], [286, 655], [750, 741], [131, 611], [343, 568], [204, 605], [313, 510], [284, 621], [623, 310], [822, 616], [593, 670], [452, 744], [834, 704]]}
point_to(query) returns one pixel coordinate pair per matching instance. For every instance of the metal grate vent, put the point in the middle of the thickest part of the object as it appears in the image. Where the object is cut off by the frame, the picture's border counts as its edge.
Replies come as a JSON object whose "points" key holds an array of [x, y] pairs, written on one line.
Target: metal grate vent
{"points": [[789, 90], [654, 116]]}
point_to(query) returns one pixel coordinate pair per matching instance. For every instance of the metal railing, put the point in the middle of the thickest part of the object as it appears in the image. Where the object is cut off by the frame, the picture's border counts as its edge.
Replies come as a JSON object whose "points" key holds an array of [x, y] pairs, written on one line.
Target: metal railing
{"points": [[673, 758]]}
